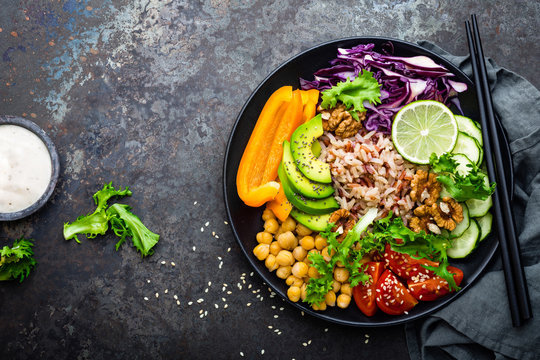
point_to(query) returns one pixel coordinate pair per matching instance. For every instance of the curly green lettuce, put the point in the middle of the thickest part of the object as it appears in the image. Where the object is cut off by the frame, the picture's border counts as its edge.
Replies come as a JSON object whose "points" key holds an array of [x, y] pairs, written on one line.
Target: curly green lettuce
{"points": [[17, 261], [353, 93]]}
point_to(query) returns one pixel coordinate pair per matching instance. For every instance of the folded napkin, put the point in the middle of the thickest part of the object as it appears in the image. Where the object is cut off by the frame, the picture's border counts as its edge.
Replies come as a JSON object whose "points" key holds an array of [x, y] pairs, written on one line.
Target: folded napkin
{"points": [[477, 325]]}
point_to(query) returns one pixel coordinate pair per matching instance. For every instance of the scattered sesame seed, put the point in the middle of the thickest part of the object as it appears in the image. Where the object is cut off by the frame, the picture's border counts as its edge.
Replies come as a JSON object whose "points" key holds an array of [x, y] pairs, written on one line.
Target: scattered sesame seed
{"points": [[201, 311], [229, 292], [309, 342], [229, 250], [326, 330], [276, 316], [202, 229], [194, 203], [178, 302], [274, 307], [302, 313], [241, 353], [216, 306], [305, 344], [172, 263], [225, 306], [281, 309], [262, 351], [157, 295], [206, 290], [249, 287], [166, 291], [226, 223], [367, 340], [207, 223], [220, 264], [209, 283], [146, 298], [205, 313], [216, 236], [201, 316], [367, 335], [190, 303], [163, 262], [270, 326], [175, 297], [251, 273], [148, 281], [200, 300], [194, 248], [223, 299], [248, 304]]}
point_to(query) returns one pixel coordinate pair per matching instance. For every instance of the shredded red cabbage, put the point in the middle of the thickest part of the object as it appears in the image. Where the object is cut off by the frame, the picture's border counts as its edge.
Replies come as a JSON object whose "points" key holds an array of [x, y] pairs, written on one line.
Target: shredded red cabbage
{"points": [[402, 79]]}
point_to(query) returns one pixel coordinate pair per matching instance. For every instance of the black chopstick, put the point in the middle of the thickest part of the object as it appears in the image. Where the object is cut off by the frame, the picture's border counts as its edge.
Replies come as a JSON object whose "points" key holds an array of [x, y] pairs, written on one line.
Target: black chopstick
{"points": [[516, 284]]}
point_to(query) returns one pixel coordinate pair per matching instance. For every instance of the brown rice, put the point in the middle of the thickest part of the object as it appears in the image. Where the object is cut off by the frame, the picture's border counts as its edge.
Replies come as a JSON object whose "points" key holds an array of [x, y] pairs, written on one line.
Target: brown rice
{"points": [[368, 172]]}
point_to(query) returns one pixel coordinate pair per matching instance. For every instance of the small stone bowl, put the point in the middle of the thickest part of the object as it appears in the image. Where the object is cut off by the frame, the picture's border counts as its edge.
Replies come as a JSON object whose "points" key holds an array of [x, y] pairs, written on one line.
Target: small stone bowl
{"points": [[29, 125]]}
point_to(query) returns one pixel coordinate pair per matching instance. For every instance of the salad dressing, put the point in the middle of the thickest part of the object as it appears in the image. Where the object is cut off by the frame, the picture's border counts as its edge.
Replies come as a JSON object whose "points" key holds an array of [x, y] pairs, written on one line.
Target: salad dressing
{"points": [[25, 168]]}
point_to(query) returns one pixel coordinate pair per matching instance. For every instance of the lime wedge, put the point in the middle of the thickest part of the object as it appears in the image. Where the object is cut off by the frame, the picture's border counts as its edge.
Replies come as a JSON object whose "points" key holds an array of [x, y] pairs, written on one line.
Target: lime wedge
{"points": [[424, 127]]}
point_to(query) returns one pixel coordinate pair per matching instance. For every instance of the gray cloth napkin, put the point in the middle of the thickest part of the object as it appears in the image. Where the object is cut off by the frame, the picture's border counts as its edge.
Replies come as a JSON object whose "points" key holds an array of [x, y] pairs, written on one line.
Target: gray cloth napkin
{"points": [[477, 325]]}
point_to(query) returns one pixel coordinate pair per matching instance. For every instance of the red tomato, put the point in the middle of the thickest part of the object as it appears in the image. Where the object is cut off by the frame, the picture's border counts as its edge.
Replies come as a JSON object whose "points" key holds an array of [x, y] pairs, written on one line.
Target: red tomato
{"points": [[392, 296], [433, 288], [406, 266], [364, 295]]}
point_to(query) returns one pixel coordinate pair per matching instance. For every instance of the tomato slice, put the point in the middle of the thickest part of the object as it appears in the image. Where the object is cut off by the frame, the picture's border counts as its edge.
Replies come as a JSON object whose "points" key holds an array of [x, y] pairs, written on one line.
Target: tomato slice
{"points": [[435, 287], [392, 296], [364, 294], [407, 267]]}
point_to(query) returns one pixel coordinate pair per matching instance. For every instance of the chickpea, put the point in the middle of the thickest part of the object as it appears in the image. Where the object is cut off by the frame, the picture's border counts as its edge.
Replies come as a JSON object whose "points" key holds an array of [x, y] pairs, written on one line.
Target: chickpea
{"points": [[313, 272], [283, 272], [336, 285], [303, 290], [289, 224], [301, 230], [319, 307], [300, 269], [271, 263], [346, 289], [264, 237], [294, 281], [343, 301], [274, 248], [268, 214], [320, 242], [293, 293], [287, 240], [341, 274], [278, 232], [307, 242], [261, 251], [327, 255], [271, 226], [330, 298], [299, 253], [284, 258]]}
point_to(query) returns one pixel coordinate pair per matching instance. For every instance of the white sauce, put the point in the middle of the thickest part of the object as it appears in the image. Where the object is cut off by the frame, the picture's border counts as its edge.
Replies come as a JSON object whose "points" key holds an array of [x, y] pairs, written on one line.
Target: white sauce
{"points": [[25, 168]]}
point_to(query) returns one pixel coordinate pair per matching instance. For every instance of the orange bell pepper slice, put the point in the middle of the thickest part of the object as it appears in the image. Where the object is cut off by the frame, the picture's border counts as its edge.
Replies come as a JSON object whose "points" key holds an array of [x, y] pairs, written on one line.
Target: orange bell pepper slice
{"points": [[249, 179], [310, 98], [280, 206]]}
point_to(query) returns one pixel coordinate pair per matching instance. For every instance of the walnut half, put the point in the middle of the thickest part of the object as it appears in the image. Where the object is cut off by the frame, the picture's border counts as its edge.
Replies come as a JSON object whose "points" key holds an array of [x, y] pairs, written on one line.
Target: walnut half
{"points": [[340, 121], [447, 214], [425, 188]]}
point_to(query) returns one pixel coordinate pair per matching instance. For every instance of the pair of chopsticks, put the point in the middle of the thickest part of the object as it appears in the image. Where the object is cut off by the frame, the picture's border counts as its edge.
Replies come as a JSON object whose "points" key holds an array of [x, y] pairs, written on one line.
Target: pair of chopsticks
{"points": [[516, 284]]}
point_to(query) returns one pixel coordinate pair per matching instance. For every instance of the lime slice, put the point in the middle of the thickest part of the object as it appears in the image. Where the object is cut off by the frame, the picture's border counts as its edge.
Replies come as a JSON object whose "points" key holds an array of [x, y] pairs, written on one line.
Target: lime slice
{"points": [[424, 127]]}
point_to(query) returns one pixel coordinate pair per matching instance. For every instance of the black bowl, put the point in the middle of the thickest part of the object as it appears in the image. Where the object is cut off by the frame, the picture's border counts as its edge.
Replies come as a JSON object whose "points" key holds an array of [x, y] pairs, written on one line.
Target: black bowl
{"points": [[246, 222], [29, 125]]}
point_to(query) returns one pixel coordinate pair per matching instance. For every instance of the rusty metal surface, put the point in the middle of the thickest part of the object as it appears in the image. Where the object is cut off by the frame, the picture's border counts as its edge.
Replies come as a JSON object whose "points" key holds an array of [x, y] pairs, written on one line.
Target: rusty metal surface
{"points": [[144, 93]]}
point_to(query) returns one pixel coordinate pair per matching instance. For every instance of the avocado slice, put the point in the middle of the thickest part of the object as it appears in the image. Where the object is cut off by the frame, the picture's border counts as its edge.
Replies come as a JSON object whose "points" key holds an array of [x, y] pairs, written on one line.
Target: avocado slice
{"points": [[301, 142], [310, 206], [299, 182], [313, 222]]}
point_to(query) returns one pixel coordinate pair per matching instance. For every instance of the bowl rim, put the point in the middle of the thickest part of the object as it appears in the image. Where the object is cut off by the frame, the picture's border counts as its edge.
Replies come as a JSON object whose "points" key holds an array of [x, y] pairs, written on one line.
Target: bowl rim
{"points": [[392, 321], [55, 162]]}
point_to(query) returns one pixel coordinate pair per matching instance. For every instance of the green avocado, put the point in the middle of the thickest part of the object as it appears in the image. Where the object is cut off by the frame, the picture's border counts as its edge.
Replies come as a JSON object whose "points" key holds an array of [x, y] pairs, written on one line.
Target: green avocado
{"points": [[313, 222], [310, 206], [301, 147], [299, 182]]}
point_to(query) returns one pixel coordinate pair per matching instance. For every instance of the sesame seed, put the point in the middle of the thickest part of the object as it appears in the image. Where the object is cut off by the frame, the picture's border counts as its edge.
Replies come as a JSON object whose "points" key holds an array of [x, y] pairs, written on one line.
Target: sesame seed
{"points": [[172, 263], [201, 311], [146, 298], [248, 304], [202, 229], [326, 330], [309, 342], [194, 203], [201, 316], [241, 353], [229, 292], [194, 248], [226, 223], [205, 313], [200, 300], [207, 223], [166, 291], [270, 326], [206, 290], [175, 297], [163, 263], [225, 306], [223, 299], [209, 283], [228, 249], [190, 303], [305, 344], [262, 351], [157, 295], [276, 316], [216, 306]]}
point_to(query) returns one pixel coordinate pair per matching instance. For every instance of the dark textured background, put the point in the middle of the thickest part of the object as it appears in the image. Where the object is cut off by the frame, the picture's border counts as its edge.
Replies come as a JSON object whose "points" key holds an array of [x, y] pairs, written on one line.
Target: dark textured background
{"points": [[145, 93]]}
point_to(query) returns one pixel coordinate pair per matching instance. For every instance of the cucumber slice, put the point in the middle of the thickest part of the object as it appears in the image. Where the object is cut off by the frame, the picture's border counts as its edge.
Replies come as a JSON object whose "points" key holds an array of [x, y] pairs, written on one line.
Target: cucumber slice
{"points": [[469, 127], [481, 149], [464, 224], [465, 244], [485, 223], [478, 208], [467, 146], [462, 161]]}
